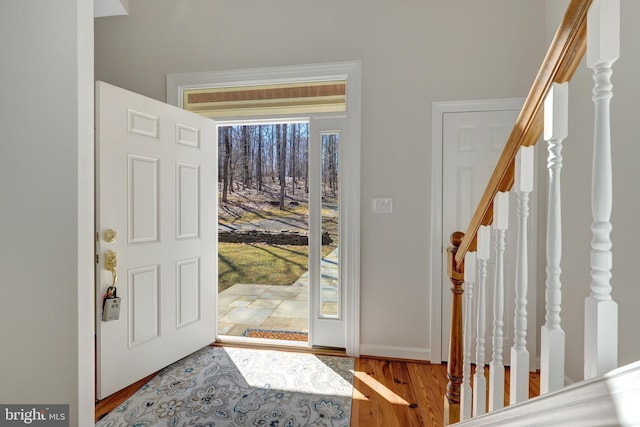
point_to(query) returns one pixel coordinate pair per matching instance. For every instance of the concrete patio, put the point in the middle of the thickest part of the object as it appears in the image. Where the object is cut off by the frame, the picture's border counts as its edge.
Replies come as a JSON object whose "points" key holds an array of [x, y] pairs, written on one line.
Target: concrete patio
{"points": [[283, 308]]}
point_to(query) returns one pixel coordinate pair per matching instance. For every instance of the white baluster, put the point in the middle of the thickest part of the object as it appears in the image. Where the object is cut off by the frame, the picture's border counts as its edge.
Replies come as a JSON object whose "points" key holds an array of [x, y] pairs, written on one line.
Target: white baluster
{"points": [[496, 367], [469, 280], [552, 339], [601, 312], [479, 381], [519, 384]]}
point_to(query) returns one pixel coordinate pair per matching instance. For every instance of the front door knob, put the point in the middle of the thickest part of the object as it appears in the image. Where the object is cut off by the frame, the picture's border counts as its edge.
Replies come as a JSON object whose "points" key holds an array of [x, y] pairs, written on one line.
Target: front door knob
{"points": [[110, 235]]}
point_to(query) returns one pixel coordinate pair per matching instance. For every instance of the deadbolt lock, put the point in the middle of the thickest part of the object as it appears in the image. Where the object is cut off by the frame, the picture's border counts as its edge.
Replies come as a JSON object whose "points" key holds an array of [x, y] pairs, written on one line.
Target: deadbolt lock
{"points": [[110, 235]]}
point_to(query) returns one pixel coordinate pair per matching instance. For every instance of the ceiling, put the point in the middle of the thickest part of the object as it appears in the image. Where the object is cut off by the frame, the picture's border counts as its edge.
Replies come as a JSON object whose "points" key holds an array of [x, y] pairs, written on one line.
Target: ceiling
{"points": [[110, 7]]}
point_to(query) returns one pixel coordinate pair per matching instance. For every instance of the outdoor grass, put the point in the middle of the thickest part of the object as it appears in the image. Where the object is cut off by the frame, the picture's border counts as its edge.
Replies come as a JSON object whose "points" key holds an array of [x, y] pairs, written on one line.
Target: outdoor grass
{"points": [[261, 264], [269, 212], [274, 213]]}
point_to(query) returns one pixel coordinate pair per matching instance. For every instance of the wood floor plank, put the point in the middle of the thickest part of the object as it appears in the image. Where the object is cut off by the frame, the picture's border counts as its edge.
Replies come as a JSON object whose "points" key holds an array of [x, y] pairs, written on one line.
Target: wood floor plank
{"points": [[364, 407], [104, 406], [389, 398], [429, 383]]}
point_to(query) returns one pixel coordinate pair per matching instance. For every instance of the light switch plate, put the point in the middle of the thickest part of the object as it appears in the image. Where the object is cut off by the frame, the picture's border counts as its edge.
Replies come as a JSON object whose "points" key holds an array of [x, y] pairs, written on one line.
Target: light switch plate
{"points": [[382, 205]]}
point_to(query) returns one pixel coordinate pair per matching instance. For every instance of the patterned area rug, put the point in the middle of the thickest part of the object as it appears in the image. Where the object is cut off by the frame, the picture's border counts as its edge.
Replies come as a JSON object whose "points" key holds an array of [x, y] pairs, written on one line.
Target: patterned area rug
{"points": [[243, 387], [276, 335]]}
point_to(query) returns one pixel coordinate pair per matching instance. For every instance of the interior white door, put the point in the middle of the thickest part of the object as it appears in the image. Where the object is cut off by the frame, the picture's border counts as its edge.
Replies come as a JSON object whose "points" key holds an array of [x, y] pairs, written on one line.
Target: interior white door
{"points": [[156, 172], [472, 144], [327, 308]]}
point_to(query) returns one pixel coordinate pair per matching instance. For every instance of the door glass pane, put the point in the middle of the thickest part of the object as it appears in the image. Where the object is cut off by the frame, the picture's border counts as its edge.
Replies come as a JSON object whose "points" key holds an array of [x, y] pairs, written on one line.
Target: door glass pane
{"points": [[263, 278], [330, 268]]}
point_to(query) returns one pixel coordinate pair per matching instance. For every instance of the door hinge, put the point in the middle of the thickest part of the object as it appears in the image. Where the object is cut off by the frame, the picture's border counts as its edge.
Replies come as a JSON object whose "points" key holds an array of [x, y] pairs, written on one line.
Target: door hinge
{"points": [[97, 259]]}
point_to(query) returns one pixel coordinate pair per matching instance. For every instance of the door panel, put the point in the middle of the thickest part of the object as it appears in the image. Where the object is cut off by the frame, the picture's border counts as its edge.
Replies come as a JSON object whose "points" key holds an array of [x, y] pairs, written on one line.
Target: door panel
{"points": [[327, 325], [472, 144], [155, 186]]}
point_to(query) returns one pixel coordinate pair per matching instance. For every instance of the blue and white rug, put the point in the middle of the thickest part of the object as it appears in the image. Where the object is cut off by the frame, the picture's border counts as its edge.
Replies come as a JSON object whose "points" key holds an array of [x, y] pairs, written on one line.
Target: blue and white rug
{"points": [[220, 386]]}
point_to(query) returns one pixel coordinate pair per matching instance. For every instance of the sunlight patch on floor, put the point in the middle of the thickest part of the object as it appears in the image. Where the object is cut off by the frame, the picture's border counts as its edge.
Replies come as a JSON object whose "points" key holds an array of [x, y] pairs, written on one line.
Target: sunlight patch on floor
{"points": [[379, 388], [291, 372]]}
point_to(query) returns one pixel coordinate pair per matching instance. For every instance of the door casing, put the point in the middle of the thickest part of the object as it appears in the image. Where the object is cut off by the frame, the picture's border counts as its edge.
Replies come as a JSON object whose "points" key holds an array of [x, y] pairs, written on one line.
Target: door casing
{"points": [[350, 181]]}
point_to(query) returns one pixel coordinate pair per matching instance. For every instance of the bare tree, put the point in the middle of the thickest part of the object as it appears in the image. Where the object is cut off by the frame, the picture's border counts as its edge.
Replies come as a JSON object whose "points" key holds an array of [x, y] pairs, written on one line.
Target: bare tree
{"points": [[305, 162], [253, 154], [226, 172], [281, 130], [246, 158], [292, 157], [333, 164], [330, 164], [259, 159]]}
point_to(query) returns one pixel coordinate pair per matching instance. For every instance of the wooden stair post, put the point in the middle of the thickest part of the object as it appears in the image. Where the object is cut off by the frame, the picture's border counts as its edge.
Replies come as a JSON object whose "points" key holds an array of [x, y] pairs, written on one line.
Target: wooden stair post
{"points": [[454, 366]]}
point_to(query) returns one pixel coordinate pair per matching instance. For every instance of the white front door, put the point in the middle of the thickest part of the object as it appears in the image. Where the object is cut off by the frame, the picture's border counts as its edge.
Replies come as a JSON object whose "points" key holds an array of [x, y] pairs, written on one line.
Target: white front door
{"points": [[472, 143], [156, 174]]}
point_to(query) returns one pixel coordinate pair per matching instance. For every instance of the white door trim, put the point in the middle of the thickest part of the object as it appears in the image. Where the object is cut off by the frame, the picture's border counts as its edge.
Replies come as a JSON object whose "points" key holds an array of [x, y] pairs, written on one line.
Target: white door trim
{"points": [[351, 72], [437, 248]]}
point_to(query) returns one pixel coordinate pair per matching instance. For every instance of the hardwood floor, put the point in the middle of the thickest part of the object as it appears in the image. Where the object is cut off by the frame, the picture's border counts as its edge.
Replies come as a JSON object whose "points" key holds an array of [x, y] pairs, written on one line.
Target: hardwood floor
{"points": [[386, 393], [104, 406], [395, 393], [390, 393]]}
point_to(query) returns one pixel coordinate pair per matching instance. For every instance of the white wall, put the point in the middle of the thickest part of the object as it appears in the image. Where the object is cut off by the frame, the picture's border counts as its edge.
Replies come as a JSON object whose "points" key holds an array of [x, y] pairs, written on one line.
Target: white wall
{"points": [[46, 118], [576, 195], [412, 53]]}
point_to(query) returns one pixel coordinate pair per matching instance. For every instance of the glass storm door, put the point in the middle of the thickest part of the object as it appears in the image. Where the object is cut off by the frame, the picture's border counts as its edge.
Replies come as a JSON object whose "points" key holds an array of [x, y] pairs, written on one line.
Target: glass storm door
{"points": [[327, 312]]}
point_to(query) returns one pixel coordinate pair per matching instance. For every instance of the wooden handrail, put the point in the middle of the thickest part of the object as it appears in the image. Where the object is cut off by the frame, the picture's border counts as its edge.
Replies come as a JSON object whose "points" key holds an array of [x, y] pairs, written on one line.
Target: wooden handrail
{"points": [[562, 59]]}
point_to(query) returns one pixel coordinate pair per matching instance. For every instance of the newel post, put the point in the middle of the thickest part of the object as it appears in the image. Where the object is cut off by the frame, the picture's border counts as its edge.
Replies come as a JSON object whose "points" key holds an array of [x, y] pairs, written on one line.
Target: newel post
{"points": [[454, 366]]}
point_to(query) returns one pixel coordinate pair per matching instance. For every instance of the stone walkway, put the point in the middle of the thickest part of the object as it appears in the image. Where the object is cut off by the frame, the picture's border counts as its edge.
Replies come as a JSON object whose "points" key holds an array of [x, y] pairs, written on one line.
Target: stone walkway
{"points": [[284, 308]]}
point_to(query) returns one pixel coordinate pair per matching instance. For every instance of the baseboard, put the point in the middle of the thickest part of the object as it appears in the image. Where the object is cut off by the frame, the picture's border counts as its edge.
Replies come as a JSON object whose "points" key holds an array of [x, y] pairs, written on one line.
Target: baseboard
{"points": [[568, 380], [396, 352]]}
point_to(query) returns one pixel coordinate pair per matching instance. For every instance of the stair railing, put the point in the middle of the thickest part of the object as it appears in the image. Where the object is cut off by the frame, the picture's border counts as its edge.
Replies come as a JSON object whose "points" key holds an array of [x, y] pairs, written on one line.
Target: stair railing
{"points": [[545, 108]]}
